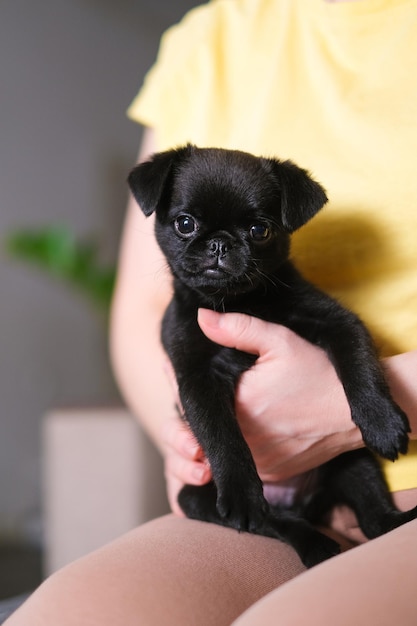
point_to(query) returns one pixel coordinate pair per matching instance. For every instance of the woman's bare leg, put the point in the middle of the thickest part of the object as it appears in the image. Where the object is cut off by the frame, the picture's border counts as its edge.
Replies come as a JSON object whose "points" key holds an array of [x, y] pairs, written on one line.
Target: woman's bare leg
{"points": [[373, 584], [170, 571]]}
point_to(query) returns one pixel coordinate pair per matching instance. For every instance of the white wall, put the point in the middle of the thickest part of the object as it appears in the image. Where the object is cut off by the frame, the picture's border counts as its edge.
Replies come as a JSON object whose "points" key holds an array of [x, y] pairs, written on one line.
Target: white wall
{"points": [[68, 70]]}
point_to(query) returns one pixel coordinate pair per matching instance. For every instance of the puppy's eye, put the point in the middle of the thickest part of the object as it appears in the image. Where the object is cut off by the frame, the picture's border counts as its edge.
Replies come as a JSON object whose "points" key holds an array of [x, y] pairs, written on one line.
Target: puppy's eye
{"points": [[185, 225], [260, 232]]}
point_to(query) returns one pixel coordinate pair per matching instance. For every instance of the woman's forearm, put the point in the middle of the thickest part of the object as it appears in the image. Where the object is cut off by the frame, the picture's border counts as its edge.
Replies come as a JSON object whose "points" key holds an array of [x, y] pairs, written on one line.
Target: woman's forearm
{"points": [[141, 294], [401, 372]]}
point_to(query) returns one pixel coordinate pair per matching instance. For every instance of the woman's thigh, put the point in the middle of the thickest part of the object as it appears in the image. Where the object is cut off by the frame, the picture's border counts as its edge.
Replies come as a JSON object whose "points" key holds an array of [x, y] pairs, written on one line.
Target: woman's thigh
{"points": [[170, 571], [374, 583]]}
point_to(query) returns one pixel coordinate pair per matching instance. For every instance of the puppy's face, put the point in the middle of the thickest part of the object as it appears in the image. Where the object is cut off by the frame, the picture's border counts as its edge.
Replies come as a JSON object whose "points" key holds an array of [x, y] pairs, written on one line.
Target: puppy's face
{"points": [[223, 217], [219, 231]]}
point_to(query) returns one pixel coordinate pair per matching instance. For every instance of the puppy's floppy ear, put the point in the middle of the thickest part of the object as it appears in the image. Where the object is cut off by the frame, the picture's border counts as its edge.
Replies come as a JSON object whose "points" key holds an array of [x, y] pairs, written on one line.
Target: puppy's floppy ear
{"points": [[150, 182], [301, 196]]}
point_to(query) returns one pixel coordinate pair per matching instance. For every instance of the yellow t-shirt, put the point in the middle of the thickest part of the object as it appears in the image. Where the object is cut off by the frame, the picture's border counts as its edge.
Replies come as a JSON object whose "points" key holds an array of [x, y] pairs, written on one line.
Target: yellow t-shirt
{"points": [[332, 86]]}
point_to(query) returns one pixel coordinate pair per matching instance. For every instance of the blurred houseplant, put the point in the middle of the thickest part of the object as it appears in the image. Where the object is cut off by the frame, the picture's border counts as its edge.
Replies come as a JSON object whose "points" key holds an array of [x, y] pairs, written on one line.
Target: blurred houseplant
{"points": [[58, 252]]}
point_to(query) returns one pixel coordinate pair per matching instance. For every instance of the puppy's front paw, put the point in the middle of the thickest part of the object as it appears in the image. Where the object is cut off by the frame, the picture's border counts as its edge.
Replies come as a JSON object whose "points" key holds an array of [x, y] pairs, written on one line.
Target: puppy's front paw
{"points": [[384, 427], [242, 506]]}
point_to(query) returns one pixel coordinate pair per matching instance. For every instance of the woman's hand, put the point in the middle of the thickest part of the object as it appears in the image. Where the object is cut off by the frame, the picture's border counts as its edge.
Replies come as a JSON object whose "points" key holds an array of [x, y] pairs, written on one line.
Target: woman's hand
{"points": [[291, 406]]}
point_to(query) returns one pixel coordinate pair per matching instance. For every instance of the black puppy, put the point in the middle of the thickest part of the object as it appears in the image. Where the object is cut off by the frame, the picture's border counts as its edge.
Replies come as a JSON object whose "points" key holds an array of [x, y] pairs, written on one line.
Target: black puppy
{"points": [[223, 221]]}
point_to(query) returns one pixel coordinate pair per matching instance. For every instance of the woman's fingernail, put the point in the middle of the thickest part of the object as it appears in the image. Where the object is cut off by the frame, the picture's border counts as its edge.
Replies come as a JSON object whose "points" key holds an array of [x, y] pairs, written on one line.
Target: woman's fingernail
{"points": [[209, 317]]}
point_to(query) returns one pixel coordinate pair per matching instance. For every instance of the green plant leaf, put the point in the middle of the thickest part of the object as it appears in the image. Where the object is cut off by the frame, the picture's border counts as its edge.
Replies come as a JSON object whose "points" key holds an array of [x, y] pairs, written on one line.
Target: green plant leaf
{"points": [[56, 251]]}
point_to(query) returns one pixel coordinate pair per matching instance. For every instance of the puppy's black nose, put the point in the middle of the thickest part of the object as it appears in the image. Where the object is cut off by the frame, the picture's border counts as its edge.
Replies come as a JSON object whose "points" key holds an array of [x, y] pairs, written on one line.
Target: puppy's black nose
{"points": [[218, 247]]}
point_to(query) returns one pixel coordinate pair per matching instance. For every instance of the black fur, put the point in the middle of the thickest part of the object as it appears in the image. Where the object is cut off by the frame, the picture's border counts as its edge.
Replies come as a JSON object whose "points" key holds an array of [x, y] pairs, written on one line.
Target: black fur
{"points": [[223, 221]]}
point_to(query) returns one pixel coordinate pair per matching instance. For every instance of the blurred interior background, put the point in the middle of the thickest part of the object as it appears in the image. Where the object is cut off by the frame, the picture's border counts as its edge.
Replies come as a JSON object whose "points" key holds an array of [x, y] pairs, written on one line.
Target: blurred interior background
{"points": [[68, 71]]}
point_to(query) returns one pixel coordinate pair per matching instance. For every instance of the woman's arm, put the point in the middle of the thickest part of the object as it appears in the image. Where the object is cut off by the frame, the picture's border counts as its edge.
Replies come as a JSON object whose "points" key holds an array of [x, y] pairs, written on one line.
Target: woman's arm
{"points": [[401, 373]]}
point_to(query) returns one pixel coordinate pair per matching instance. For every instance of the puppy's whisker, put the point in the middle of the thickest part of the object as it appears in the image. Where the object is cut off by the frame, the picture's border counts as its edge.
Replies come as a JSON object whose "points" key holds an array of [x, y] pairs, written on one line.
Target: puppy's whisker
{"points": [[220, 306], [267, 278], [248, 278], [275, 281]]}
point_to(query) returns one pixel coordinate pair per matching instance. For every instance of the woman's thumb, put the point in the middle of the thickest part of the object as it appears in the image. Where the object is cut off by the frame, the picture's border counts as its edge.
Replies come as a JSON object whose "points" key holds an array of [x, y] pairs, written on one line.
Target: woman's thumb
{"points": [[235, 330]]}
